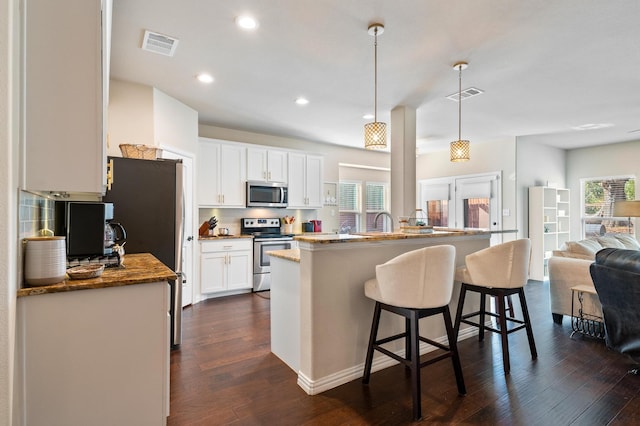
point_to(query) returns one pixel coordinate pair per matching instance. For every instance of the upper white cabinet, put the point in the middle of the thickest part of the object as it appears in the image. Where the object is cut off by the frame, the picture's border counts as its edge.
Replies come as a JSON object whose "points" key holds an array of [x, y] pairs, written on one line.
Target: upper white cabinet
{"points": [[65, 76], [266, 165], [221, 174], [305, 180], [548, 226]]}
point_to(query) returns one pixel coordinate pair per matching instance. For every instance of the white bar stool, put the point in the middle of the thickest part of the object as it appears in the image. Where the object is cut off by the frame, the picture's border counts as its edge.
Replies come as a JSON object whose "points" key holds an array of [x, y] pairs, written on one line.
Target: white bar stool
{"points": [[499, 271], [414, 285]]}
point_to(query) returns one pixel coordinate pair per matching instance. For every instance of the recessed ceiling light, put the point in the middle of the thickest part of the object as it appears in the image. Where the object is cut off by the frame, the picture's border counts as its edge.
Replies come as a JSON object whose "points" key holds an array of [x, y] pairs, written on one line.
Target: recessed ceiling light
{"points": [[246, 22], [205, 78], [302, 101], [593, 126], [368, 116]]}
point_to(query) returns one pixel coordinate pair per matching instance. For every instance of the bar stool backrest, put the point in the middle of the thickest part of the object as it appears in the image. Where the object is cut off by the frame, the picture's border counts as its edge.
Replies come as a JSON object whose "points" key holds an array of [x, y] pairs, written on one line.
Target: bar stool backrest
{"points": [[419, 279], [504, 265]]}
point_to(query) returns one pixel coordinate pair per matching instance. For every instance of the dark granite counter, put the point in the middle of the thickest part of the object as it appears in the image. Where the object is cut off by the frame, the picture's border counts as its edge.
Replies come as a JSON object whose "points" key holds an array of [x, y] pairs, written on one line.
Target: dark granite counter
{"points": [[137, 269], [386, 236]]}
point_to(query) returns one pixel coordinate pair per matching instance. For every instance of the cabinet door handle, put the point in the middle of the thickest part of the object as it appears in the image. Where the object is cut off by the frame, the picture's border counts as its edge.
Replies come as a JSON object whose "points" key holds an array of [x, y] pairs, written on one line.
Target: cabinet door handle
{"points": [[269, 175]]}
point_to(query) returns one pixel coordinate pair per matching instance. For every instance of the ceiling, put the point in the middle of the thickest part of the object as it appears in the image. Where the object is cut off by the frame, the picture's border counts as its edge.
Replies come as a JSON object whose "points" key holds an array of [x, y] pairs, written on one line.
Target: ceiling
{"points": [[546, 67]]}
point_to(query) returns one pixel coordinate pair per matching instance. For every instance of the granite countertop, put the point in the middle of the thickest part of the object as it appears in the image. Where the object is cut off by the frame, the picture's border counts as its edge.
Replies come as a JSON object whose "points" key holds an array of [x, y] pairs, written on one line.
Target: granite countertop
{"points": [[288, 254], [222, 237], [385, 236], [137, 269]]}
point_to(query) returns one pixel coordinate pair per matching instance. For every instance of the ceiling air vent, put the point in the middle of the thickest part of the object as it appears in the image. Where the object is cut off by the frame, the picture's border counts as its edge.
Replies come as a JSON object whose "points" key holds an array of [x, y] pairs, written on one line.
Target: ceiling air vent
{"points": [[159, 43], [465, 94]]}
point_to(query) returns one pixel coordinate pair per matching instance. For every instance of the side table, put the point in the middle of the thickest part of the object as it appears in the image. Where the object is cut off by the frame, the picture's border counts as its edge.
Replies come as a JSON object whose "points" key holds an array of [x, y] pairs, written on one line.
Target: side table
{"points": [[585, 324]]}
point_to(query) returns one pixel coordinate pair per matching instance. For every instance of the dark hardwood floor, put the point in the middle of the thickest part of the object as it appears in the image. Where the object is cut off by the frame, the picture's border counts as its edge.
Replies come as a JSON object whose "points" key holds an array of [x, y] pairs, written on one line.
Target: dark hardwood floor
{"points": [[224, 373]]}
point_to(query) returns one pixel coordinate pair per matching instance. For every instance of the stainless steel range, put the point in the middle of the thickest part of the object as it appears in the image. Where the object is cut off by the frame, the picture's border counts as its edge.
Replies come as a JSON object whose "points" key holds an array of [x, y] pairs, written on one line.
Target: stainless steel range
{"points": [[266, 237]]}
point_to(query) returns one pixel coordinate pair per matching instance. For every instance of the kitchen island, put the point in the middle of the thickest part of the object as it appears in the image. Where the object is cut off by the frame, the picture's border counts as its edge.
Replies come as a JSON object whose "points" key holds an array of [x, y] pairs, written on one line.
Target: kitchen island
{"points": [[96, 351], [322, 317]]}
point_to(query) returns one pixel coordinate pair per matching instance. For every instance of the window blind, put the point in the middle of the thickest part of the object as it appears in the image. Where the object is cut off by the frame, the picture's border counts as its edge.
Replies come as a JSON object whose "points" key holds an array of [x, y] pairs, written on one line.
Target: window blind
{"points": [[436, 192]]}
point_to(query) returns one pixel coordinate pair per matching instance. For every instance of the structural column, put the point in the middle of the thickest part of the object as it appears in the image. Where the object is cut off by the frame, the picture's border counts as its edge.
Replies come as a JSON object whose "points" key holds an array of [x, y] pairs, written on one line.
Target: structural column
{"points": [[403, 161]]}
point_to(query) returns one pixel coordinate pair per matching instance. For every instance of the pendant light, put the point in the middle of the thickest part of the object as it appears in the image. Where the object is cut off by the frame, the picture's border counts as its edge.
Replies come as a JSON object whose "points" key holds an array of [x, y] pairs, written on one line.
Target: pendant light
{"points": [[459, 149], [375, 134]]}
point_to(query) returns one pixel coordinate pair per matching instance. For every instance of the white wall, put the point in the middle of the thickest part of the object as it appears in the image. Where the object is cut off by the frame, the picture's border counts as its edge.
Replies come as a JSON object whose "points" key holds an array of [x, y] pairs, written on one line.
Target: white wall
{"points": [[140, 114], [9, 168], [599, 161], [485, 157], [130, 115], [536, 165], [175, 124]]}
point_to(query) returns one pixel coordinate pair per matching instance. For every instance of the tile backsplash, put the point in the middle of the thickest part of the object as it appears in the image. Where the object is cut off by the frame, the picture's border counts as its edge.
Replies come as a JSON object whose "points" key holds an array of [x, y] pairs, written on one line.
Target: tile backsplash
{"points": [[35, 213]]}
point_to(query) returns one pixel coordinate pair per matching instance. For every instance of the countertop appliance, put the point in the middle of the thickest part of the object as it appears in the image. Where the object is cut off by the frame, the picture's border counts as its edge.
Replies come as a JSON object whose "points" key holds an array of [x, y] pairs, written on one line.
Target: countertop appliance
{"points": [[266, 237], [267, 194], [83, 224], [148, 201]]}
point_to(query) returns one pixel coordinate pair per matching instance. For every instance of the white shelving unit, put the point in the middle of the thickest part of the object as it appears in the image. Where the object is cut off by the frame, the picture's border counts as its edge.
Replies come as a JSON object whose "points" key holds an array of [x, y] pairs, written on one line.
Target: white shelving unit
{"points": [[549, 213]]}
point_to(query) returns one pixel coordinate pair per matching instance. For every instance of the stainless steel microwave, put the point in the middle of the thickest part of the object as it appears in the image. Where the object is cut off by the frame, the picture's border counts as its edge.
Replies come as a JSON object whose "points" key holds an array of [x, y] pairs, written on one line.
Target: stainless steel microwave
{"points": [[267, 194]]}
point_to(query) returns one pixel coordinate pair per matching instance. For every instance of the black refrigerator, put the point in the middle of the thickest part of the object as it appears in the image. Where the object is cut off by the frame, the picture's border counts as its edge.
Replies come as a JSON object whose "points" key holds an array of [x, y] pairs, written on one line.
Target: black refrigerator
{"points": [[147, 197]]}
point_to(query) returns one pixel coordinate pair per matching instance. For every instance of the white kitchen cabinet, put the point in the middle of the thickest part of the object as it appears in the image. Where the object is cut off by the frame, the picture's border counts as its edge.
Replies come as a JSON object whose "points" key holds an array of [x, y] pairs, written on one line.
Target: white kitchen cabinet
{"points": [[548, 226], [96, 356], [65, 85], [305, 180], [267, 165], [221, 174], [226, 266]]}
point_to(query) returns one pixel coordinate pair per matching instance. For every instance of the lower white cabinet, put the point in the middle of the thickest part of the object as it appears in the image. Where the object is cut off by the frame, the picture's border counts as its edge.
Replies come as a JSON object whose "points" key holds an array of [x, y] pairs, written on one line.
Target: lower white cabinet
{"points": [[226, 265], [96, 356]]}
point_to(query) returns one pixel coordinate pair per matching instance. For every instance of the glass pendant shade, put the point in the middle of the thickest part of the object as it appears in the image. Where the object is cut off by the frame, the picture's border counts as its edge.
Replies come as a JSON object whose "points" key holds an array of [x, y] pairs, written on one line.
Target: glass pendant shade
{"points": [[375, 135], [460, 150]]}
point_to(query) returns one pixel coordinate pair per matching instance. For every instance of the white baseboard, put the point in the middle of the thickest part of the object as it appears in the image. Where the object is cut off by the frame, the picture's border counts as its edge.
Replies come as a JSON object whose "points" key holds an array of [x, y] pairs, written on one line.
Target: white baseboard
{"points": [[314, 387]]}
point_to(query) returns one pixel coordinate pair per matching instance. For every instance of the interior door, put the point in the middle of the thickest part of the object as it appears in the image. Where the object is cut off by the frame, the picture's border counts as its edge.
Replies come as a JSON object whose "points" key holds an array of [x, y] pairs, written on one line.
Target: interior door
{"points": [[188, 240]]}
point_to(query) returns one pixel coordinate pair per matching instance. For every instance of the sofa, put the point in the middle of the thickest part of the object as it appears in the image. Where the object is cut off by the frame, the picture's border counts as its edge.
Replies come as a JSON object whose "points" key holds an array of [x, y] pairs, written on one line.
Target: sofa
{"points": [[616, 276], [569, 267]]}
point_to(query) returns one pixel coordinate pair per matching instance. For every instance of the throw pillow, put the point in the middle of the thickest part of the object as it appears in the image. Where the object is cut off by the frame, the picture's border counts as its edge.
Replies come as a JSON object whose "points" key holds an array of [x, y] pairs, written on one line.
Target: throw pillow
{"points": [[586, 247], [628, 241], [610, 242]]}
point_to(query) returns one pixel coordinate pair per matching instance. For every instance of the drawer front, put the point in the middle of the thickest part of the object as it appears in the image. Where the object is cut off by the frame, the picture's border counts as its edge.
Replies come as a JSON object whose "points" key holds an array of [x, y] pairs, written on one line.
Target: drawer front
{"points": [[227, 244]]}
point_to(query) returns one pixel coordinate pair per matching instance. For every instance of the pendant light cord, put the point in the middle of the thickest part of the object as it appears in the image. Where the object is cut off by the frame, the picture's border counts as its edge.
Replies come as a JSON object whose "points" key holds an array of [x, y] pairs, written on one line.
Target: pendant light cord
{"points": [[375, 75], [459, 102]]}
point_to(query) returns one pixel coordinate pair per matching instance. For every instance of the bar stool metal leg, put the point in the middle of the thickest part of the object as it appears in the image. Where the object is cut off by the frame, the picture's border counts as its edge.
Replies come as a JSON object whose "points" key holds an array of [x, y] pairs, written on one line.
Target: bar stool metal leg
{"points": [[527, 321], [504, 333], [372, 340]]}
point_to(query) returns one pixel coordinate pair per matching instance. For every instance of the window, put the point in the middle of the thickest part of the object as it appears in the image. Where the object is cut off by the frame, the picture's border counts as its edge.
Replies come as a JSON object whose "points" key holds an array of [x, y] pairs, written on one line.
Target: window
{"points": [[598, 198], [438, 212], [476, 213], [349, 206], [353, 217], [376, 203]]}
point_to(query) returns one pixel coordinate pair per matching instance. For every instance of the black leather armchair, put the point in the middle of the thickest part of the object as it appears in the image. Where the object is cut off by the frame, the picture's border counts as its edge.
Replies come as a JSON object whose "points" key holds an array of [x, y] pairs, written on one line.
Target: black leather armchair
{"points": [[616, 277]]}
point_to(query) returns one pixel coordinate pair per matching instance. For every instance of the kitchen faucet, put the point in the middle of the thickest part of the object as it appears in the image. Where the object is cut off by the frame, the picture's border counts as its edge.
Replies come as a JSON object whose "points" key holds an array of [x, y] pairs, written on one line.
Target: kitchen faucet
{"points": [[375, 219]]}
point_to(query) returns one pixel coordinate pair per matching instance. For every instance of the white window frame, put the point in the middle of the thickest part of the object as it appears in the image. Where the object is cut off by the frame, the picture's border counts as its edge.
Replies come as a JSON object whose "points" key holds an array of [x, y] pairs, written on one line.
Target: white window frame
{"points": [[361, 203], [583, 218]]}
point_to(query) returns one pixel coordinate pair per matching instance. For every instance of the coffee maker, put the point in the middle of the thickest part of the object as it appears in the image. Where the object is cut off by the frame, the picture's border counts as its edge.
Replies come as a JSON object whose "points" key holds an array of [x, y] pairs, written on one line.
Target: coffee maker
{"points": [[89, 230]]}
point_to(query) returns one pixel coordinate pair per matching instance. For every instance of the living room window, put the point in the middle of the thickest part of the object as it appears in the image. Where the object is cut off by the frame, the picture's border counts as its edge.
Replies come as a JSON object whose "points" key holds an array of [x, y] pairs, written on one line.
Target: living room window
{"points": [[598, 197]]}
